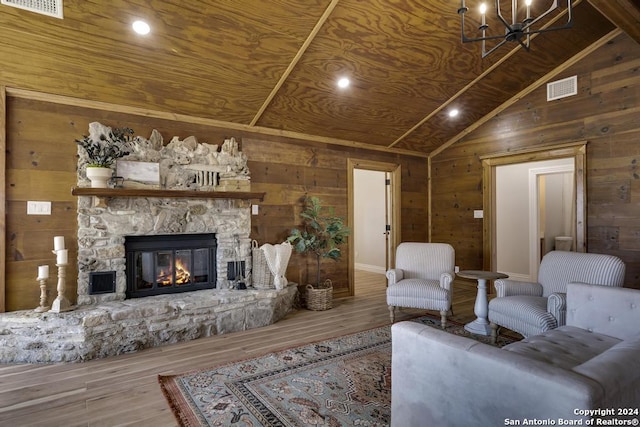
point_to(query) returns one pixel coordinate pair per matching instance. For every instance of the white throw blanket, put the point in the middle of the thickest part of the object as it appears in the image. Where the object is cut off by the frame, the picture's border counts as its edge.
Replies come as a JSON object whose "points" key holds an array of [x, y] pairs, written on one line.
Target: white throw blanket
{"points": [[277, 257]]}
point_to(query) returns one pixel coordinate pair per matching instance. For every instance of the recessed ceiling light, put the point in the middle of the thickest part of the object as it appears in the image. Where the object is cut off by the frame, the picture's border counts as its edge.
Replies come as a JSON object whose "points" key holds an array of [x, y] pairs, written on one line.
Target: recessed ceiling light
{"points": [[141, 27], [454, 113], [344, 82]]}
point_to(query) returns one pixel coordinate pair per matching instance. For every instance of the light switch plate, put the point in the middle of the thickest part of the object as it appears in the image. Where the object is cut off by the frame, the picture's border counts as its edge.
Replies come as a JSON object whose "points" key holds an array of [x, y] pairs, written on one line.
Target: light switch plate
{"points": [[255, 209], [38, 208], [478, 214]]}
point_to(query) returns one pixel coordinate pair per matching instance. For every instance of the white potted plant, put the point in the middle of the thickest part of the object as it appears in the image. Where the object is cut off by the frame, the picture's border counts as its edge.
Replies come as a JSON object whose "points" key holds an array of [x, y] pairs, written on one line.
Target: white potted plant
{"points": [[103, 146]]}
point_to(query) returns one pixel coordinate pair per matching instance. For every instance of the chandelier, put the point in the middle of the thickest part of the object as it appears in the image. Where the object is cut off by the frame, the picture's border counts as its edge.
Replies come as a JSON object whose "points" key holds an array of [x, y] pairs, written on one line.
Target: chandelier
{"points": [[522, 26]]}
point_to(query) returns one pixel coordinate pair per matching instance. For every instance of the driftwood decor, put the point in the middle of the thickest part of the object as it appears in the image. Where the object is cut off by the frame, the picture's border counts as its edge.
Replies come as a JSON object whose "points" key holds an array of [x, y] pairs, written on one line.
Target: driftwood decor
{"points": [[179, 165]]}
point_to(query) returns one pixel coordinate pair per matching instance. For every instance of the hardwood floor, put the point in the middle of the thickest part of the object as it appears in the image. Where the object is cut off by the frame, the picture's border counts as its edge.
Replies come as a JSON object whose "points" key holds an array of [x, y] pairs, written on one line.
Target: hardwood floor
{"points": [[123, 390]]}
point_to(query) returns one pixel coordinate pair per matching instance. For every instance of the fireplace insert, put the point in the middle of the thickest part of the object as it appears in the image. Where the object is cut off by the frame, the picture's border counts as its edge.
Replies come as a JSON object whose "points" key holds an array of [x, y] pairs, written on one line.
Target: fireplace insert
{"points": [[165, 264]]}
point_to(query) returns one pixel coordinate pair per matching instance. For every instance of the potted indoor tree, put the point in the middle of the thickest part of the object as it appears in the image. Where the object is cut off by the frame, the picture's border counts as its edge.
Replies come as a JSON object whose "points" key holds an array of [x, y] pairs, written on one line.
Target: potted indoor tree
{"points": [[103, 146], [321, 235]]}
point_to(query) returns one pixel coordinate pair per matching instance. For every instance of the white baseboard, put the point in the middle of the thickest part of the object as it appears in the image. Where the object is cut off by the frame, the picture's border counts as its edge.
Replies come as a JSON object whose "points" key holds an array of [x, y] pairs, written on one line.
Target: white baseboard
{"points": [[370, 268]]}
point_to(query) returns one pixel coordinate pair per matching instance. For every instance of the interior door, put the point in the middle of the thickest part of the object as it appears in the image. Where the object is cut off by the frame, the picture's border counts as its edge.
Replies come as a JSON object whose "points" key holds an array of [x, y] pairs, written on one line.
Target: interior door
{"points": [[391, 209]]}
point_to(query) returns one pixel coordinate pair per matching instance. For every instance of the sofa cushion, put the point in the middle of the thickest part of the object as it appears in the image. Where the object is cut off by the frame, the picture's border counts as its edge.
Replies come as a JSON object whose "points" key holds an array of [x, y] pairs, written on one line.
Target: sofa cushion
{"points": [[565, 347], [618, 370], [524, 314]]}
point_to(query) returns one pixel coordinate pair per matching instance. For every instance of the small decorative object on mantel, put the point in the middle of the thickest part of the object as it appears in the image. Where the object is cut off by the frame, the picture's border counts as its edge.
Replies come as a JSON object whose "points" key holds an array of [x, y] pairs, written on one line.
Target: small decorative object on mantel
{"points": [[321, 235], [139, 174], [102, 147]]}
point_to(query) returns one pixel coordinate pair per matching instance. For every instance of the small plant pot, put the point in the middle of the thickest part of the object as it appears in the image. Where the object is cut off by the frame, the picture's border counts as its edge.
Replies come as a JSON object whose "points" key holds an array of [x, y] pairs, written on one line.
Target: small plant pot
{"points": [[99, 176]]}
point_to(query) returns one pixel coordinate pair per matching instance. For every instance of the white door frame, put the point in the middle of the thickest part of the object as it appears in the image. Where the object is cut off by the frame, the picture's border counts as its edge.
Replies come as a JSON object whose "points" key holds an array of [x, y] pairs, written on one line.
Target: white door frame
{"points": [[534, 210], [393, 170]]}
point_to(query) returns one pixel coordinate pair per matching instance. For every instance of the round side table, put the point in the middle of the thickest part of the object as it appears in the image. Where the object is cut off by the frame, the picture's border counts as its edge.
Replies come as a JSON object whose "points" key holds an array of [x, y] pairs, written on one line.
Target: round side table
{"points": [[481, 325]]}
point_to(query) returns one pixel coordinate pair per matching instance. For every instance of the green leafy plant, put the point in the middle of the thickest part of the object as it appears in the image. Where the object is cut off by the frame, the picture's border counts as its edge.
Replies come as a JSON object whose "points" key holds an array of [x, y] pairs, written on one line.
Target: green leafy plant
{"points": [[104, 151], [321, 234]]}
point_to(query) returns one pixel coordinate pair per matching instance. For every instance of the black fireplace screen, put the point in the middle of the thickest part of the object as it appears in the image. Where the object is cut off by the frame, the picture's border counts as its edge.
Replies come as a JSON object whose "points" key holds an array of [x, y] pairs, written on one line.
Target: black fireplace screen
{"points": [[168, 264]]}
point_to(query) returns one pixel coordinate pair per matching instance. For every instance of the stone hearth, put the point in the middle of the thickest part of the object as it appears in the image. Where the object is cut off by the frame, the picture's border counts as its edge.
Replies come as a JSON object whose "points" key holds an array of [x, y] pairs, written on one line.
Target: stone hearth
{"points": [[117, 327]]}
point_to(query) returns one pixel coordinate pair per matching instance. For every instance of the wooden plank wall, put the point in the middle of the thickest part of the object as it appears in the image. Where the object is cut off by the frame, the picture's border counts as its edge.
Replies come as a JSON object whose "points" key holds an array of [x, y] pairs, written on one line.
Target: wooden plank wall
{"points": [[606, 113], [41, 165]]}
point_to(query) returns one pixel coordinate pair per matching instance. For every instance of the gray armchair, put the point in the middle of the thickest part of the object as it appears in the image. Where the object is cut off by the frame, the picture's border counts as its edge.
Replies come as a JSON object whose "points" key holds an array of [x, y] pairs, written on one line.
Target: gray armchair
{"points": [[422, 278], [532, 308]]}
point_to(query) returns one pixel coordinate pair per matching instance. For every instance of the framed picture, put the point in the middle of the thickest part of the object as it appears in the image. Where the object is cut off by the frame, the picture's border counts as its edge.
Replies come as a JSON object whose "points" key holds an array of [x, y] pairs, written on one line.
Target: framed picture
{"points": [[138, 174]]}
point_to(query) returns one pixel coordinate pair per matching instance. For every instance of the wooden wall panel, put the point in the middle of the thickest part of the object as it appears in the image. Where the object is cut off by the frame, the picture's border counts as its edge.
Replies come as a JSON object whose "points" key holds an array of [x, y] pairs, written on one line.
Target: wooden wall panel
{"points": [[37, 169], [605, 113], [41, 165], [3, 212]]}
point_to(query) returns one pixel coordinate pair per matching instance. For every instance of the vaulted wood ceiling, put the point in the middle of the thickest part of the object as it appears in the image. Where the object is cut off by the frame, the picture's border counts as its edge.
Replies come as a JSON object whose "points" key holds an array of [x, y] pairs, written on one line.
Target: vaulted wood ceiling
{"points": [[272, 65]]}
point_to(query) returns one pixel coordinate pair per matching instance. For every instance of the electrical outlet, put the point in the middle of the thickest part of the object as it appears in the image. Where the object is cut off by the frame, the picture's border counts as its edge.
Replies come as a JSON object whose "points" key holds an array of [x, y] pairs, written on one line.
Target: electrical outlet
{"points": [[38, 208], [478, 214], [456, 269]]}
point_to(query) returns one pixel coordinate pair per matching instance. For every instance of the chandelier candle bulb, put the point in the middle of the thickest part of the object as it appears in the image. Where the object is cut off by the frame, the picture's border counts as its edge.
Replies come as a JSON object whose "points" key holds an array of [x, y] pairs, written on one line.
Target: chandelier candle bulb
{"points": [[62, 256], [43, 272], [58, 243]]}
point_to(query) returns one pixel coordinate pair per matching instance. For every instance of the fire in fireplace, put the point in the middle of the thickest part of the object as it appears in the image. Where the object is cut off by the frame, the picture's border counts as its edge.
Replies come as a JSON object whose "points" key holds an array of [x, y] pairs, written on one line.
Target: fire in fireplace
{"points": [[164, 264]]}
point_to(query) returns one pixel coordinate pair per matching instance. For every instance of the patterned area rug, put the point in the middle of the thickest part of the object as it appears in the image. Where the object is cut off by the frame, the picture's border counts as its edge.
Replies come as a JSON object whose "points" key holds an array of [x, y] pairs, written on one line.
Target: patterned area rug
{"points": [[338, 382]]}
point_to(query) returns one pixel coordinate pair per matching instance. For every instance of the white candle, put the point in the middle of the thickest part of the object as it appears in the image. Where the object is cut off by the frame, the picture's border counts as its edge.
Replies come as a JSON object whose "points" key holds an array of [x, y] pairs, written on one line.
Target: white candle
{"points": [[483, 10], [43, 272], [58, 243], [61, 256]]}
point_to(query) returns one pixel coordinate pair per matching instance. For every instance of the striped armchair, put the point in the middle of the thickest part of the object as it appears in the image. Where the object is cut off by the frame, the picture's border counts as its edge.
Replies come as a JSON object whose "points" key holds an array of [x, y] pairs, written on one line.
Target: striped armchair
{"points": [[533, 308], [422, 278]]}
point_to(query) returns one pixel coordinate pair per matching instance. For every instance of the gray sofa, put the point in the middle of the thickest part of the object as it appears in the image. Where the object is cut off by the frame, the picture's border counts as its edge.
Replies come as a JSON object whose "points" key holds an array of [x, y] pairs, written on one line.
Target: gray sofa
{"points": [[593, 362]]}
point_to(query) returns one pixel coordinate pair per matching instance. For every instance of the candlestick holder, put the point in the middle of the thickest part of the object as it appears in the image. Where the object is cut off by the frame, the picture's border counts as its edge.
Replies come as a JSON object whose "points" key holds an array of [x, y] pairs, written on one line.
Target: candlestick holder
{"points": [[43, 296], [61, 303]]}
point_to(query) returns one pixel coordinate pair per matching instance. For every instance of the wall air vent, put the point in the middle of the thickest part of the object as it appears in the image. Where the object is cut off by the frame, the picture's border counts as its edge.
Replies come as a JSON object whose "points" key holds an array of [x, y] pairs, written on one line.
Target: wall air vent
{"points": [[44, 7], [562, 88]]}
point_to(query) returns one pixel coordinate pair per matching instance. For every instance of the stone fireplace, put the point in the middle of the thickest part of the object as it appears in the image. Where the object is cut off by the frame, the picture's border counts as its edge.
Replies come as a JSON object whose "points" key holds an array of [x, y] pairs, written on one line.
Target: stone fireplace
{"points": [[103, 232], [194, 202], [182, 165]]}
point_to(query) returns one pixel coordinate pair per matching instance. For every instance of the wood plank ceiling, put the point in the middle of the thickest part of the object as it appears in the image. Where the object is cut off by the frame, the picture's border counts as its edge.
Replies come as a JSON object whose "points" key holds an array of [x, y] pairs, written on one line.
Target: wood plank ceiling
{"points": [[272, 66]]}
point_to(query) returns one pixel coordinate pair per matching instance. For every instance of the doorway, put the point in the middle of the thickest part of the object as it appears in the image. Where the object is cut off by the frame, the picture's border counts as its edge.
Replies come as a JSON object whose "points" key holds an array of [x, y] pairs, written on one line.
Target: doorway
{"points": [[533, 208], [575, 151], [374, 216]]}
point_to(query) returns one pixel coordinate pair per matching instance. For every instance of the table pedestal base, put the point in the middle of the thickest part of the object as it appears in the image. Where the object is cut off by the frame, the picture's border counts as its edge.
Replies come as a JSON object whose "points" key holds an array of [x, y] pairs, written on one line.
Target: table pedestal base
{"points": [[478, 327], [481, 325]]}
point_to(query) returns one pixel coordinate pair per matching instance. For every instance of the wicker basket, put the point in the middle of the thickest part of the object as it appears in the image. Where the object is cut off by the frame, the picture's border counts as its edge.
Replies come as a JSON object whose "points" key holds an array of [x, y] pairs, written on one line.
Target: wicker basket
{"points": [[261, 276], [320, 299]]}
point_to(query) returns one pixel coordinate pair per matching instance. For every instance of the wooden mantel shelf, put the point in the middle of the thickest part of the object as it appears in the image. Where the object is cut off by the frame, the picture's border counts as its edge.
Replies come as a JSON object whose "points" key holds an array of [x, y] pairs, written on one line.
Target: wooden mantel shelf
{"points": [[104, 193]]}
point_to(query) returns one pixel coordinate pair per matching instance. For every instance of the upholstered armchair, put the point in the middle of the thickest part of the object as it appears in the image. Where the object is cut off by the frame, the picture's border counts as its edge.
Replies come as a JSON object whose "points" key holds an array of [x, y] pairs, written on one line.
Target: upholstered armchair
{"points": [[422, 278], [533, 308]]}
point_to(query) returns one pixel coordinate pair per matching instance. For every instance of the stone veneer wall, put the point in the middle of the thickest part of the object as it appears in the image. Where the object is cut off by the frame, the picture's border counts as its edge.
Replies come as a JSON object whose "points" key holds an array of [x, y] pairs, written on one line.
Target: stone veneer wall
{"points": [[102, 231], [182, 165]]}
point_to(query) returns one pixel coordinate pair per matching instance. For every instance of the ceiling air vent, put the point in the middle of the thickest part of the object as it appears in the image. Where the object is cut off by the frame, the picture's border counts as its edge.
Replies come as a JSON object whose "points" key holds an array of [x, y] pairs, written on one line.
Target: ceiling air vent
{"points": [[562, 88], [44, 7]]}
